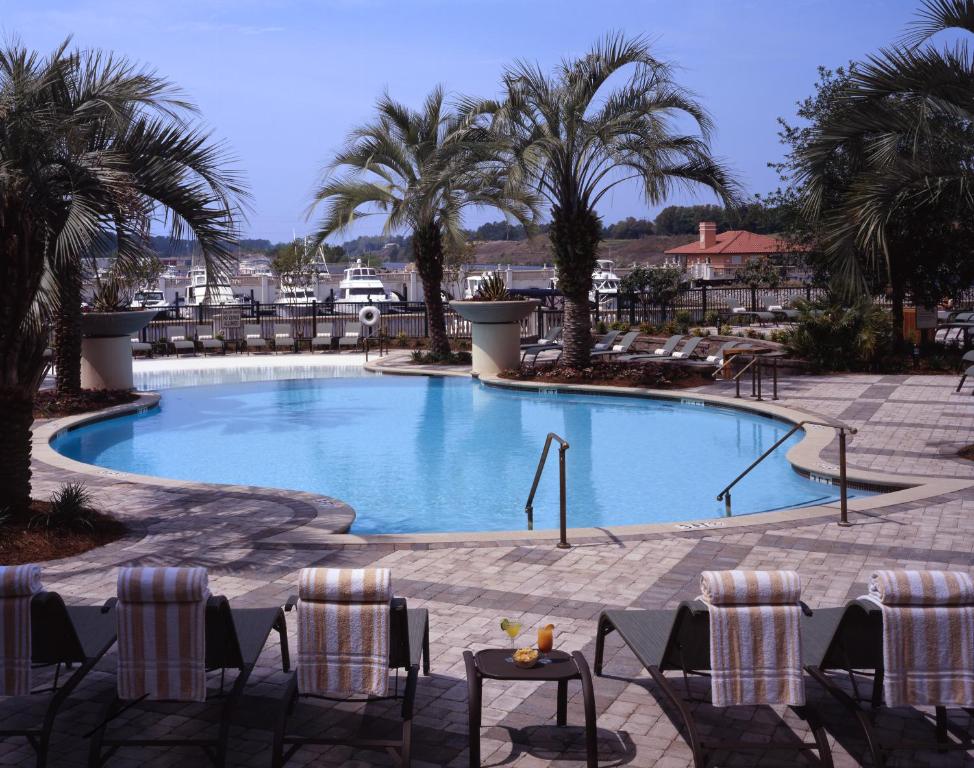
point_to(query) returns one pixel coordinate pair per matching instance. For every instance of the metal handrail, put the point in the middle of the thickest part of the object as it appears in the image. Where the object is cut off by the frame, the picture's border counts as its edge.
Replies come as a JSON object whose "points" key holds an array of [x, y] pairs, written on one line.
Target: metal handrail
{"points": [[529, 506], [724, 364], [843, 428]]}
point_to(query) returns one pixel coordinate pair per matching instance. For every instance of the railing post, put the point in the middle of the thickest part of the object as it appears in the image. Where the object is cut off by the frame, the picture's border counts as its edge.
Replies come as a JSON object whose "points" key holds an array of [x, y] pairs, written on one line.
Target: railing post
{"points": [[563, 514], [314, 320], [529, 510], [843, 484], [759, 374], [727, 504], [703, 303], [774, 378]]}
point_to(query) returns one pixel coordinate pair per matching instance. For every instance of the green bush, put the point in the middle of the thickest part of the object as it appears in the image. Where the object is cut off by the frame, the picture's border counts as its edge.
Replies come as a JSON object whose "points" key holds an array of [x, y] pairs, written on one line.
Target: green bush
{"points": [[601, 327], [838, 338], [712, 318], [725, 330], [669, 328], [682, 321], [648, 329], [620, 326], [69, 508]]}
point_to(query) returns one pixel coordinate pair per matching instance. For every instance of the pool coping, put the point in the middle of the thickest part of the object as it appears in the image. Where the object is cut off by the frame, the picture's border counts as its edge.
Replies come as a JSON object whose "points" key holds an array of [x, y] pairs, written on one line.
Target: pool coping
{"points": [[334, 517], [333, 514]]}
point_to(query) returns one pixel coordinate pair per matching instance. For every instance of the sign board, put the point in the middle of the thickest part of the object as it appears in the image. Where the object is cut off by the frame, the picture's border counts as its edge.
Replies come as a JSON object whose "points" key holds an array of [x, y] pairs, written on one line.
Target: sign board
{"points": [[230, 317], [926, 318]]}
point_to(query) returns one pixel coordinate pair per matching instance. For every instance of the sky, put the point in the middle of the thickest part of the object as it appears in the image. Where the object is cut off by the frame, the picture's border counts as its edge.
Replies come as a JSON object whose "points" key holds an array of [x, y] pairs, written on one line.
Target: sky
{"points": [[283, 81]]}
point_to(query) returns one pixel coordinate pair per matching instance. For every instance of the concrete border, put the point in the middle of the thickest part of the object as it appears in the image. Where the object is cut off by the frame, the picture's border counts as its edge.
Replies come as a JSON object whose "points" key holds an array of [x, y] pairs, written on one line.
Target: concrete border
{"points": [[334, 516], [805, 457]]}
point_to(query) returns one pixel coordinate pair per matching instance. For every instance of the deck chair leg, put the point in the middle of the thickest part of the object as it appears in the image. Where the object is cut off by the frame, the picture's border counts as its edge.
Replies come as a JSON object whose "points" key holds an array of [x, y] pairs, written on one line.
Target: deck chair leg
{"points": [[280, 624], [407, 739], [426, 648], [54, 705], [872, 742], [605, 628], [810, 715], [226, 716], [696, 746], [287, 707], [95, 748], [962, 380]]}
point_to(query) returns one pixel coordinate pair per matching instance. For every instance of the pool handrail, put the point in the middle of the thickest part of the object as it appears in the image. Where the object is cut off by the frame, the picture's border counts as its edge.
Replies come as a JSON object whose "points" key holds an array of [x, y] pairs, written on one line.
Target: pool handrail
{"points": [[823, 421], [529, 506]]}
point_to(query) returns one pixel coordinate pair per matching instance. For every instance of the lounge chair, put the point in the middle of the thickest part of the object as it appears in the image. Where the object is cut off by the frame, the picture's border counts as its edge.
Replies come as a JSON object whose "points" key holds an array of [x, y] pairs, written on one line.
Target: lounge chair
{"points": [[936, 672], [213, 636], [671, 344], [253, 338], [683, 354], [206, 339], [59, 635], [758, 316], [718, 356], [350, 336], [680, 640], [969, 371], [178, 341], [618, 349], [780, 311], [139, 346], [552, 336], [322, 337], [283, 338], [346, 667]]}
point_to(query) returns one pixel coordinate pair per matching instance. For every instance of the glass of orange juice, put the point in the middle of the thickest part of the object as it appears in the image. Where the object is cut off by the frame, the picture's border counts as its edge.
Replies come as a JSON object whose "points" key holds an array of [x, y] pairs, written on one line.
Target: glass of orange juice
{"points": [[546, 638]]}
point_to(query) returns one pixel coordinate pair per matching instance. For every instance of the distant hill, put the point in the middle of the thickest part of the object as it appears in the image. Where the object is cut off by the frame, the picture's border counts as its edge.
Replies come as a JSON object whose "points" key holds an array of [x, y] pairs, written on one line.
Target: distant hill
{"points": [[537, 250]]}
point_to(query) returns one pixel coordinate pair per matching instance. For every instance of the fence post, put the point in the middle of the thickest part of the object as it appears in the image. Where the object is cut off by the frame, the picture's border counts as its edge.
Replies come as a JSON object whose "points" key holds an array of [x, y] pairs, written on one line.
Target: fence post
{"points": [[808, 293], [314, 319], [754, 299], [540, 323], [632, 309], [703, 302]]}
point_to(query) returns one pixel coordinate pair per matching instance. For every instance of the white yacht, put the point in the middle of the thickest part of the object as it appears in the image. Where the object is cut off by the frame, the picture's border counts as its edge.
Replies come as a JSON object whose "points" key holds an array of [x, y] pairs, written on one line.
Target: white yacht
{"points": [[605, 282], [200, 291], [288, 293], [473, 283], [361, 285], [149, 298]]}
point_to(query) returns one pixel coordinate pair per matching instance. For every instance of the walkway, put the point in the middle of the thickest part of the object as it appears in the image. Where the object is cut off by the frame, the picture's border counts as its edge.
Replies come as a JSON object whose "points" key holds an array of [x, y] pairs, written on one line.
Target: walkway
{"points": [[909, 424]]}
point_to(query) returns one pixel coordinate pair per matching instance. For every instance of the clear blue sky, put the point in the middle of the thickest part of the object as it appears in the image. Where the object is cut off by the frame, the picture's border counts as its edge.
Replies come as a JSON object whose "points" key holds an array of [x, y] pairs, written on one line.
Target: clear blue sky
{"points": [[283, 80]]}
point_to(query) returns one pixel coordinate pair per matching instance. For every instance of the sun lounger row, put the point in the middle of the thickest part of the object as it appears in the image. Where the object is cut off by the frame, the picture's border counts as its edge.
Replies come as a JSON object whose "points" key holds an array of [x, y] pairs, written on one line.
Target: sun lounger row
{"points": [[172, 633], [178, 340], [909, 641]]}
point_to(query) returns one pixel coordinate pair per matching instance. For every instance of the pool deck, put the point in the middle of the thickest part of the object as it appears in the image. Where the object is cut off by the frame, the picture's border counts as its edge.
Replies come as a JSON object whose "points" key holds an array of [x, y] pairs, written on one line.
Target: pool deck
{"points": [[247, 538]]}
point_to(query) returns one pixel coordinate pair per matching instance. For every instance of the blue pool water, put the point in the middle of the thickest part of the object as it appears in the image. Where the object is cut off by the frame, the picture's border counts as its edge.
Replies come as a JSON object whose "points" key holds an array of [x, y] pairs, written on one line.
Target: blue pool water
{"points": [[426, 454]]}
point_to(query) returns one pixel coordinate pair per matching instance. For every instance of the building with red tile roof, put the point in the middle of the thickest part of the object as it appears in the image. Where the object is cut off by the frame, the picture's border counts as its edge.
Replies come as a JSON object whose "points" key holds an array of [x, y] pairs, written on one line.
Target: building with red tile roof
{"points": [[719, 255]]}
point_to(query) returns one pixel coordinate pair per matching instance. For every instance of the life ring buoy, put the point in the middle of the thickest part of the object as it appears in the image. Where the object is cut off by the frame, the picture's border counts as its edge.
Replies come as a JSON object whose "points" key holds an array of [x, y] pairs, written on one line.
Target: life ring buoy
{"points": [[369, 315]]}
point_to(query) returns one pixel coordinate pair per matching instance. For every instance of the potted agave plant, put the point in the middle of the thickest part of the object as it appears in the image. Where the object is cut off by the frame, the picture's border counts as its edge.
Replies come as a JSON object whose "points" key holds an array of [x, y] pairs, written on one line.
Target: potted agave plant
{"points": [[495, 318], [106, 349]]}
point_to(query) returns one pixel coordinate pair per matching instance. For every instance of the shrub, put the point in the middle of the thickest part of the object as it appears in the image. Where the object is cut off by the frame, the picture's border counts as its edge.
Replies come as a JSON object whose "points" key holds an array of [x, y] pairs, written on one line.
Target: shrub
{"points": [[841, 338], [752, 334], [492, 288], [601, 327], [69, 508], [712, 319], [779, 336], [402, 340], [682, 321], [648, 329], [620, 326], [725, 330], [668, 328]]}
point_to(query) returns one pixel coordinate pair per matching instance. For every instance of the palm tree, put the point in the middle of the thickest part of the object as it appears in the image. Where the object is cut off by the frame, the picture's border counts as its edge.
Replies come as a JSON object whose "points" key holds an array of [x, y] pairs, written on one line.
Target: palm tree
{"points": [[902, 134], [573, 136], [419, 170], [91, 147]]}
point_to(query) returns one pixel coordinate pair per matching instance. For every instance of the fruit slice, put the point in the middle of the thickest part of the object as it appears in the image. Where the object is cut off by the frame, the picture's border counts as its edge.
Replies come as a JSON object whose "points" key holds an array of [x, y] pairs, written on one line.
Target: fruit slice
{"points": [[549, 626], [505, 623]]}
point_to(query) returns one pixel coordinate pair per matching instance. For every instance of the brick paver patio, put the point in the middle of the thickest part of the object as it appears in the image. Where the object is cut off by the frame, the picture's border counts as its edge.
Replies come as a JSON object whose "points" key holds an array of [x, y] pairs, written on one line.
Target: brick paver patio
{"points": [[909, 424]]}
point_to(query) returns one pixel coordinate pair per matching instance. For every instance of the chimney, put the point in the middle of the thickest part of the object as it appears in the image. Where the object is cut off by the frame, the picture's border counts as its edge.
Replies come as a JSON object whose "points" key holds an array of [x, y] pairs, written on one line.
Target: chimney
{"points": [[708, 234]]}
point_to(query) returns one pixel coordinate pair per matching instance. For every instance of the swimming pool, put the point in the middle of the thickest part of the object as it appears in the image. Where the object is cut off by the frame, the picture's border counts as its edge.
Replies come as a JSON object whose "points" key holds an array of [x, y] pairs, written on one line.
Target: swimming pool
{"points": [[413, 454]]}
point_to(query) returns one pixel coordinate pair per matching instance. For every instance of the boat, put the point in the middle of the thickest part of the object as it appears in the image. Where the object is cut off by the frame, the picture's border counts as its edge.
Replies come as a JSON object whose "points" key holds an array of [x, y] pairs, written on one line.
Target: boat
{"points": [[303, 291], [201, 291], [295, 294], [149, 298], [361, 285], [473, 283], [605, 282]]}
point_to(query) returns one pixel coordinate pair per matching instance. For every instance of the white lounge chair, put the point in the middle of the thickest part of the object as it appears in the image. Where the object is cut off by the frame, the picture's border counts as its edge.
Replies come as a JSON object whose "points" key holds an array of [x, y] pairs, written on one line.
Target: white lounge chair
{"points": [[618, 349], [283, 338], [141, 346], [206, 339], [350, 338], [253, 338], [323, 337], [178, 341]]}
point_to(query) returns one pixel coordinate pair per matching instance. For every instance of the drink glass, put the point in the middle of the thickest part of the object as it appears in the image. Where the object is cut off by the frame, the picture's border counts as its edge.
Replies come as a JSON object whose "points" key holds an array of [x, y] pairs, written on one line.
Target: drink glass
{"points": [[546, 638], [513, 629]]}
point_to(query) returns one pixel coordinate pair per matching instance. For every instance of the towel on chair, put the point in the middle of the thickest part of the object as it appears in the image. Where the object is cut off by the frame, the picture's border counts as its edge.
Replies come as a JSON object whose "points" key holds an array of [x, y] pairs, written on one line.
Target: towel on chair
{"points": [[755, 637], [928, 636], [18, 585], [343, 631], [161, 633]]}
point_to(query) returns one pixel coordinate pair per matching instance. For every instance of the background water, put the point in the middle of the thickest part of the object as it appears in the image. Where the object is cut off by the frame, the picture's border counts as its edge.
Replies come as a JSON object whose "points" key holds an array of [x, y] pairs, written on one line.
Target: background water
{"points": [[428, 454]]}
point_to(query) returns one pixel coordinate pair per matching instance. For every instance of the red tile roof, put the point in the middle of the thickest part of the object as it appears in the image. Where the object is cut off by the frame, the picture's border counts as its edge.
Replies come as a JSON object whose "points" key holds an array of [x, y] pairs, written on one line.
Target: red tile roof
{"points": [[736, 241]]}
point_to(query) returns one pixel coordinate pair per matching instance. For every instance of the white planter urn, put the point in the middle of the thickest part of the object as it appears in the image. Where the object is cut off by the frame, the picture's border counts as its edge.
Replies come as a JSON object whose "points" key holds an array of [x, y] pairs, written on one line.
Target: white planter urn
{"points": [[106, 347], [496, 332]]}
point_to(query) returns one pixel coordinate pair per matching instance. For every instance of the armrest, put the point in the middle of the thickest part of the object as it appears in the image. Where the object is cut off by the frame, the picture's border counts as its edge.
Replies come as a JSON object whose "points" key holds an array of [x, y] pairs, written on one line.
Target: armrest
{"points": [[109, 605], [291, 603]]}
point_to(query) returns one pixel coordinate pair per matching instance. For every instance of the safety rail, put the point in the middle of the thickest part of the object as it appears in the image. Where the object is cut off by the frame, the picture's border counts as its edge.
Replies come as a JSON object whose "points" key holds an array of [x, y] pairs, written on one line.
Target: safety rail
{"points": [[756, 366], [725, 495], [729, 361], [529, 506]]}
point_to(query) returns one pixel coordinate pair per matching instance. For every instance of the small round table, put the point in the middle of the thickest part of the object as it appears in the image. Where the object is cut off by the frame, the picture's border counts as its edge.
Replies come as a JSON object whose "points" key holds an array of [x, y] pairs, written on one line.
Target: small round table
{"points": [[494, 664]]}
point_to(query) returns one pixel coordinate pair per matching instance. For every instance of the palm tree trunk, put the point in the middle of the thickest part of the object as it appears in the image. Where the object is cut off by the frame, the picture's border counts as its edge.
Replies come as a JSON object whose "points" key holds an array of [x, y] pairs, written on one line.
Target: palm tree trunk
{"points": [[428, 255], [575, 236], [67, 334], [16, 416]]}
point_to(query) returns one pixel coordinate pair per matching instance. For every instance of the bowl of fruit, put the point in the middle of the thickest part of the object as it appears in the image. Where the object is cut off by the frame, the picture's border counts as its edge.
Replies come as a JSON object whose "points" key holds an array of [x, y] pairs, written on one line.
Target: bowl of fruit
{"points": [[526, 658]]}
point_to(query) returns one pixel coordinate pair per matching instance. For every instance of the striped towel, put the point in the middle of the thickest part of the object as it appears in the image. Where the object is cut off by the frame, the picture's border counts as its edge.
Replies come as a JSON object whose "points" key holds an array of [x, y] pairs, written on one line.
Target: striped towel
{"points": [[161, 639], [928, 637], [18, 585], [755, 637], [343, 631]]}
